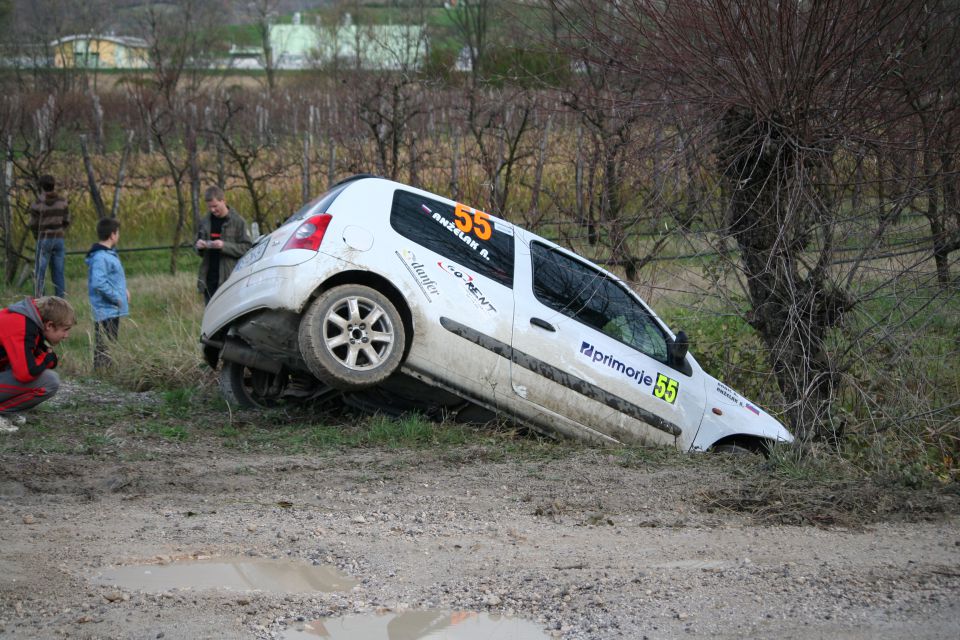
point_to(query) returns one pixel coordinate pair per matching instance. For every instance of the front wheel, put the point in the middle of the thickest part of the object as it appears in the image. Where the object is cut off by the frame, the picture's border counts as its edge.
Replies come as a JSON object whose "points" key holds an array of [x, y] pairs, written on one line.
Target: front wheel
{"points": [[352, 337], [743, 447]]}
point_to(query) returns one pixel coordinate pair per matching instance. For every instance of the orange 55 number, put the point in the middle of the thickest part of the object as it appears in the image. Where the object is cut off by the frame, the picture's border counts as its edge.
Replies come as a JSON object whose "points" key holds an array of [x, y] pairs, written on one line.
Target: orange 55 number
{"points": [[472, 220]]}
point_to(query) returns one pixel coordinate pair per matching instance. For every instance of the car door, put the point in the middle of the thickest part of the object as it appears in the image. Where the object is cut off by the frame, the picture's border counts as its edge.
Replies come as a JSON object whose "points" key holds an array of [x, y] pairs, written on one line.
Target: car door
{"points": [[457, 274], [587, 348]]}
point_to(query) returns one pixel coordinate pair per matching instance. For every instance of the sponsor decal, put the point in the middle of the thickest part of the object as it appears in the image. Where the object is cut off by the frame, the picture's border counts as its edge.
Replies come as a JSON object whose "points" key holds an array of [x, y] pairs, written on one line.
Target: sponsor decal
{"points": [[665, 389], [468, 281], [736, 399], [728, 393], [468, 227], [419, 272], [640, 376]]}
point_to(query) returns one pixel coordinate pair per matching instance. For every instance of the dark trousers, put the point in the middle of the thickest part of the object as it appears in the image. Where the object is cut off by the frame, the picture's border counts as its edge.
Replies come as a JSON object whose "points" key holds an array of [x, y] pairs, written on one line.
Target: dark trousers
{"points": [[210, 287], [106, 332]]}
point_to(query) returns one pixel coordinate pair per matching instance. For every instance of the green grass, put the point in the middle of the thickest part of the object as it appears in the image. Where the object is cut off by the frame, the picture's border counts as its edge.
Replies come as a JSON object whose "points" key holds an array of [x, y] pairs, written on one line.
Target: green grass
{"points": [[300, 431], [100, 419]]}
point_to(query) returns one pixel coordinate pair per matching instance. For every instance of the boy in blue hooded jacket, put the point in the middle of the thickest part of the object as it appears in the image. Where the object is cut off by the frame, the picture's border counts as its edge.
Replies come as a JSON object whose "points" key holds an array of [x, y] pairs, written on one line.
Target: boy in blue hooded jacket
{"points": [[107, 288]]}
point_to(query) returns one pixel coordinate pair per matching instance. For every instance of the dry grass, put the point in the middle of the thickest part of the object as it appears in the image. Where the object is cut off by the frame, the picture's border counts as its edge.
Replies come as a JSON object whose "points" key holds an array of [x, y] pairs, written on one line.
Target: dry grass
{"points": [[159, 342], [830, 502]]}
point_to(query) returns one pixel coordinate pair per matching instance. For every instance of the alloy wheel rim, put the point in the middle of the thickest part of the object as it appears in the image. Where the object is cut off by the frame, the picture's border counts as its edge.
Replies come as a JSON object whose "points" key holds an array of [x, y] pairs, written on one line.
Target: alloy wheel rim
{"points": [[358, 333]]}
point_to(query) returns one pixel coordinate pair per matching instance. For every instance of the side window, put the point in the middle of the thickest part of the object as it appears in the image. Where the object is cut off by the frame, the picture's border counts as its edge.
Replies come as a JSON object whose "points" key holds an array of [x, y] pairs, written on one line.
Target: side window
{"points": [[464, 235], [581, 292]]}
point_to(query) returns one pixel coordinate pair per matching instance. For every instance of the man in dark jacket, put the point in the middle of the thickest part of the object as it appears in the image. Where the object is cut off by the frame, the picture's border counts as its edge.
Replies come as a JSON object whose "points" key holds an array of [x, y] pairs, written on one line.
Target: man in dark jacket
{"points": [[221, 240], [28, 331], [49, 219]]}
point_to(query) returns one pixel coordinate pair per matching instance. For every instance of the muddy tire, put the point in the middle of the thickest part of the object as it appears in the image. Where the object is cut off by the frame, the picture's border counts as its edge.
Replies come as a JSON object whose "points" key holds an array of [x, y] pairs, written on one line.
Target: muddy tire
{"points": [[735, 449], [352, 337], [239, 386]]}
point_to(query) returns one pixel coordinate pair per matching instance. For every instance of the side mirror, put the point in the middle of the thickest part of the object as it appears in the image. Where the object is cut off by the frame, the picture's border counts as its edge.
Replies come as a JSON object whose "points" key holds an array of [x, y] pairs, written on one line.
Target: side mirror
{"points": [[677, 350]]}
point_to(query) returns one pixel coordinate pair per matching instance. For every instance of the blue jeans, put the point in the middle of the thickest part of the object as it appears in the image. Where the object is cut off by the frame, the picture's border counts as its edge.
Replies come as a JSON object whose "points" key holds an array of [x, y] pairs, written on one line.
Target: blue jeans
{"points": [[52, 251]]}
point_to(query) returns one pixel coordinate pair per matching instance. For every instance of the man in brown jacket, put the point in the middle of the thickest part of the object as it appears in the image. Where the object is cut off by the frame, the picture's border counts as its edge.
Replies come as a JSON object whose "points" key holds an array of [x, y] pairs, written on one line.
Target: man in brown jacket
{"points": [[49, 219], [221, 240]]}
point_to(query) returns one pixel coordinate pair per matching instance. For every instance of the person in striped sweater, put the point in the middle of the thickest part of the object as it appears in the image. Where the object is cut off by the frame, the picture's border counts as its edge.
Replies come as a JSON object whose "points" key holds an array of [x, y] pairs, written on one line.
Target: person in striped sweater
{"points": [[49, 219]]}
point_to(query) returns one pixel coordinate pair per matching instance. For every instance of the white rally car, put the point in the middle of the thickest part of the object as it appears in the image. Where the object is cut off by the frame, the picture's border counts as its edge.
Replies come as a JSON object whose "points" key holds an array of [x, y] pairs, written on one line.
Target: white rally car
{"points": [[388, 297]]}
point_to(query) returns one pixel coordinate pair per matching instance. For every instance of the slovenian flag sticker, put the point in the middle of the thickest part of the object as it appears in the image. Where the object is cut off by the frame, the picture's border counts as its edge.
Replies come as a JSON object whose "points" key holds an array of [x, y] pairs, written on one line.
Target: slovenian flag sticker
{"points": [[753, 408], [425, 208]]}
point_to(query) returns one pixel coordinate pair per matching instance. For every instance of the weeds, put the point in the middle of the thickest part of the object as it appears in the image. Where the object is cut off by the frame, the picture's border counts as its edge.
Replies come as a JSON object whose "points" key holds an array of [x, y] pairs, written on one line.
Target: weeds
{"points": [[166, 431]]}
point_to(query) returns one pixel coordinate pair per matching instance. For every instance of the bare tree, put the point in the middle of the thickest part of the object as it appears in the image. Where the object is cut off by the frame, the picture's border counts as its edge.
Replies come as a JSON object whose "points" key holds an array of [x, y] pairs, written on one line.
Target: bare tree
{"points": [[391, 101], [500, 123], [255, 158], [471, 19], [184, 39], [927, 77], [262, 13], [43, 23], [785, 91], [181, 37], [387, 106], [598, 95]]}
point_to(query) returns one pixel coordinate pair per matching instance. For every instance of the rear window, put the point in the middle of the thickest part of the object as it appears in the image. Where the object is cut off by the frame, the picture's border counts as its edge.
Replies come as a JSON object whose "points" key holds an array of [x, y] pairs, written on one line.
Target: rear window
{"points": [[464, 235], [319, 204]]}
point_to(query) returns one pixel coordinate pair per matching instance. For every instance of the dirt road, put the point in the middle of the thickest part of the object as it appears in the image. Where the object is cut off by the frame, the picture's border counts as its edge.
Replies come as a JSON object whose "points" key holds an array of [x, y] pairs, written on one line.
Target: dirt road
{"points": [[578, 544]]}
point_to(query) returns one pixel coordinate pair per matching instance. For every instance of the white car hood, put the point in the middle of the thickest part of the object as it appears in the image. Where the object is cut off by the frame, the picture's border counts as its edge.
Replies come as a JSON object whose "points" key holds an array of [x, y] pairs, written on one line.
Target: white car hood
{"points": [[730, 414]]}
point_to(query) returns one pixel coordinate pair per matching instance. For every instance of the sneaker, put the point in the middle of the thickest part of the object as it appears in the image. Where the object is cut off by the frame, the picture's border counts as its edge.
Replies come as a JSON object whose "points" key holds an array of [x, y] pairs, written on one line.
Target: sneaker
{"points": [[7, 426]]}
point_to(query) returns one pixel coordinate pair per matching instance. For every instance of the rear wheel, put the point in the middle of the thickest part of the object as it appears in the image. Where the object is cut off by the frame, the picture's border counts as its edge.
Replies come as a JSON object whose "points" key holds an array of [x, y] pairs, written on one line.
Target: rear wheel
{"points": [[246, 388], [352, 337]]}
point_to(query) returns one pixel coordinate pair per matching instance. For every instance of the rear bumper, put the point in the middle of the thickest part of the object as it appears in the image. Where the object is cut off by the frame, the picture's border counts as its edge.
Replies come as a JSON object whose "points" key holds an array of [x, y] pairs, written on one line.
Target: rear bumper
{"points": [[277, 287]]}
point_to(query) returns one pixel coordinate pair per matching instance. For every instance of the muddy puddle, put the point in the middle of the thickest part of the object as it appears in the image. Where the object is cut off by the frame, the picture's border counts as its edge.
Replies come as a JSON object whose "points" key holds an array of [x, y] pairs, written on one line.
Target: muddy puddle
{"points": [[236, 575], [418, 625]]}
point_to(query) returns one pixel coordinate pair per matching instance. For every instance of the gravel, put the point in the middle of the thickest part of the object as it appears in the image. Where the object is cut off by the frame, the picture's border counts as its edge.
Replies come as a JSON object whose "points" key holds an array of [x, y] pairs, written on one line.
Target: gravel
{"points": [[578, 544]]}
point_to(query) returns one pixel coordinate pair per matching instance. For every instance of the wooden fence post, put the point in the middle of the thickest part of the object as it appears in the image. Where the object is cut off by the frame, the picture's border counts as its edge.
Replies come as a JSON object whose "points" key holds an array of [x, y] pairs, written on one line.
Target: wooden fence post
{"points": [[121, 174], [331, 161], [538, 175], [305, 169]]}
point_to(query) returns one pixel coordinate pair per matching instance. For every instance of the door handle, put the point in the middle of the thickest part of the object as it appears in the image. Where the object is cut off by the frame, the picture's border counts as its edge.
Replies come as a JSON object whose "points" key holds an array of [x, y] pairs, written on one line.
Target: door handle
{"points": [[543, 324]]}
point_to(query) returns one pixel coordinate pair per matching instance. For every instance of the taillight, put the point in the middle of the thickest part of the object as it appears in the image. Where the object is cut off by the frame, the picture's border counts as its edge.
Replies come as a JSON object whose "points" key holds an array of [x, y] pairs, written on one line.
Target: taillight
{"points": [[309, 235]]}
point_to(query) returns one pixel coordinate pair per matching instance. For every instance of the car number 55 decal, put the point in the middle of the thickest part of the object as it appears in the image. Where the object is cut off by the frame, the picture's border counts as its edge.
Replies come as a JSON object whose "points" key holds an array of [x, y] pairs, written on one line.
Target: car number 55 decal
{"points": [[666, 388], [472, 220]]}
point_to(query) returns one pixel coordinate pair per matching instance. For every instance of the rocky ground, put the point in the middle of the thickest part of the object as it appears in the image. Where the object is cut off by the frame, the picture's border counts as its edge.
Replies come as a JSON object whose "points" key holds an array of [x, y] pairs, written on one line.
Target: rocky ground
{"points": [[580, 544]]}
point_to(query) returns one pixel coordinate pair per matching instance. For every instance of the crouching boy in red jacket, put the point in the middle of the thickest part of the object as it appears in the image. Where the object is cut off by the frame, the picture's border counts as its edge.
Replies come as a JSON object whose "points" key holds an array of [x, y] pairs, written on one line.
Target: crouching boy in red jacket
{"points": [[28, 331]]}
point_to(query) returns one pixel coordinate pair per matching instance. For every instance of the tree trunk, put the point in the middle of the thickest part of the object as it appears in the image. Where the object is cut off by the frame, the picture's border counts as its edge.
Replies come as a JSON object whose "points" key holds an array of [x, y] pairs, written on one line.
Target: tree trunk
{"points": [[792, 313], [91, 179]]}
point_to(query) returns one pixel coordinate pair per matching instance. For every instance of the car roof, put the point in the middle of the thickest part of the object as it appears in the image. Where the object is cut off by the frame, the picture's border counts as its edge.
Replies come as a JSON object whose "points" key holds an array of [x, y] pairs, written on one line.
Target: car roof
{"points": [[526, 233]]}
